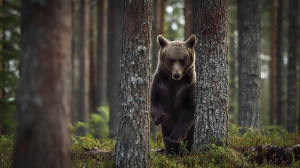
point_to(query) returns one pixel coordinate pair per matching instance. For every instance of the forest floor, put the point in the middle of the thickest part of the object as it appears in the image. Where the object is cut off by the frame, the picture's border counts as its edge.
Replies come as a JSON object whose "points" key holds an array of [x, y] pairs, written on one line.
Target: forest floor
{"points": [[272, 147]]}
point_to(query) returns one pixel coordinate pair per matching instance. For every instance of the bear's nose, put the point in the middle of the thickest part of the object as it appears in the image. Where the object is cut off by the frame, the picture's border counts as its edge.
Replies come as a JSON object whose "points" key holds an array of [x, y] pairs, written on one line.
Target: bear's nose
{"points": [[176, 76]]}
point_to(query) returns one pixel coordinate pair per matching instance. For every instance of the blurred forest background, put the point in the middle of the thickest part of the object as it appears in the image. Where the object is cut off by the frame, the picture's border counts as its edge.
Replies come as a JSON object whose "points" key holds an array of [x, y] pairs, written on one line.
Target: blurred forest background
{"points": [[96, 51]]}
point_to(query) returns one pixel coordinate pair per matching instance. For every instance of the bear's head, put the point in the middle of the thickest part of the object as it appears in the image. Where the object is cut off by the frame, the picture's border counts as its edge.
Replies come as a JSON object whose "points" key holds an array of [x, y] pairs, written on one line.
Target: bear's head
{"points": [[177, 57]]}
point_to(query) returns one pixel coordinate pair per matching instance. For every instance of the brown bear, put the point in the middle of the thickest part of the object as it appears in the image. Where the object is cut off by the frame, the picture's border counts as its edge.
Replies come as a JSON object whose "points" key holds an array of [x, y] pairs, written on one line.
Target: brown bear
{"points": [[173, 93]]}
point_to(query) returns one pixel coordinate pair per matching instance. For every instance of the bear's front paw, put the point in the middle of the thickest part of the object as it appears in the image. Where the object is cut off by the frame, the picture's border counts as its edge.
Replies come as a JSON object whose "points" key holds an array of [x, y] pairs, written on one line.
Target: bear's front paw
{"points": [[170, 140], [163, 117]]}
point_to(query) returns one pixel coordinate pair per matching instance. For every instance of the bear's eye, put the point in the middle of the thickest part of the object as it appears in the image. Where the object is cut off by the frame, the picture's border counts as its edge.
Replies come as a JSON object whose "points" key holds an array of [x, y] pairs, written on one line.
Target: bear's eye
{"points": [[172, 60], [181, 61]]}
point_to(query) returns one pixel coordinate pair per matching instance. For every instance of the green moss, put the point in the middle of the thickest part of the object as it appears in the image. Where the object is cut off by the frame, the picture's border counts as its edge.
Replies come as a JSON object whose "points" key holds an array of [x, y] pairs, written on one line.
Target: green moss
{"points": [[6, 150], [81, 144], [239, 153], [216, 157]]}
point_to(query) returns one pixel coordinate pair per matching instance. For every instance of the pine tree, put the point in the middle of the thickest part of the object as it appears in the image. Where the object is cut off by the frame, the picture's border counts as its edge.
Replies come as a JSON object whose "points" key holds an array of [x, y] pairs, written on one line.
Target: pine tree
{"points": [[43, 109], [132, 144], [249, 63], [211, 117]]}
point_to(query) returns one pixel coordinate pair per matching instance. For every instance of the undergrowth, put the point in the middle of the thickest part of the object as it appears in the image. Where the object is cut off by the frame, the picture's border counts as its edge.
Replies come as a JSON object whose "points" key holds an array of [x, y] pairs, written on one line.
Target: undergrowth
{"points": [[215, 157]]}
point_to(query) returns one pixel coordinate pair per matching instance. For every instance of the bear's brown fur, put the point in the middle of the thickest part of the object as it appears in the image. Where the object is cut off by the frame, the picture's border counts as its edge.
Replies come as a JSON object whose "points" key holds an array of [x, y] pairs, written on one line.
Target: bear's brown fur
{"points": [[173, 93]]}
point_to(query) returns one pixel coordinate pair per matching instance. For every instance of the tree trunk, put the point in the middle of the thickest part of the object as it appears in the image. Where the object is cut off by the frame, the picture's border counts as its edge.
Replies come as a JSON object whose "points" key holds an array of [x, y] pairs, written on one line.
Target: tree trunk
{"points": [[101, 54], [1, 67], [155, 29], [233, 61], [163, 5], [292, 71], [84, 66], [115, 17], [280, 66], [132, 144], [190, 16], [92, 55], [211, 117], [273, 64], [249, 63], [43, 110]]}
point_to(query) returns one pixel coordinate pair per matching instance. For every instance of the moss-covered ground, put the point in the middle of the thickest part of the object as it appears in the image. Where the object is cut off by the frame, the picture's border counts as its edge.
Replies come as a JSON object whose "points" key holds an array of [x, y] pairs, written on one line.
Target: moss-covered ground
{"points": [[239, 153]]}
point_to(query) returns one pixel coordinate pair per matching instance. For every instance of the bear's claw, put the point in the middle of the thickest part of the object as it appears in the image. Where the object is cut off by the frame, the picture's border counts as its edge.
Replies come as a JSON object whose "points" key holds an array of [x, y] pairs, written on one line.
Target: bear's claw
{"points": [[161, 119]]}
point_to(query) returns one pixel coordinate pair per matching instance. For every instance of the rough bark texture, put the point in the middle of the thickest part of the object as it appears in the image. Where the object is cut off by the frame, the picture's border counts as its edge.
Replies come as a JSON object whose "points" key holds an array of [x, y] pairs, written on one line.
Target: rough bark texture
{"points": [[115, 17], [43, 109], [249, 63], [132, 144], [273, 64], [292, 72], [211, 117], [280, 66], [84, 66], [190, 16], [101, 54]]}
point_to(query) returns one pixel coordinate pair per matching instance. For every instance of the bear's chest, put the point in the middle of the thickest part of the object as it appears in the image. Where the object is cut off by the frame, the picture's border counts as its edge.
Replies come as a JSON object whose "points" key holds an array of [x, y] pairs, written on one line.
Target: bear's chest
{"points": [[176, 93]]}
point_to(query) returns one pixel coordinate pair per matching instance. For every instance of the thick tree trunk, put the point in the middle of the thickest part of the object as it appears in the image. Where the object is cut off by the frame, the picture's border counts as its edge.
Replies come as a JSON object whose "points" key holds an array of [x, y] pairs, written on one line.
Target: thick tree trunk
{"points": [[280, 66], [211, 117], [132, 144], [249, 63], [43, 110], [84, 66], [273, 64], [115, 17], [292, 71], [101, 54]]}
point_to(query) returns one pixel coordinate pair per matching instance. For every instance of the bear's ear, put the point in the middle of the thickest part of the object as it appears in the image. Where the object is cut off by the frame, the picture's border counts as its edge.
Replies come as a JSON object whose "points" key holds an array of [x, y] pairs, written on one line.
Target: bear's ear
{"points": [[162, 41], [191, 42]]}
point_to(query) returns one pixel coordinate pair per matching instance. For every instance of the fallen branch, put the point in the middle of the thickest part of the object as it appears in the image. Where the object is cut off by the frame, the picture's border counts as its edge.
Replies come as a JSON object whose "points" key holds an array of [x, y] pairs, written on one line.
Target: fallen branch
{"points": [[96, 153]]}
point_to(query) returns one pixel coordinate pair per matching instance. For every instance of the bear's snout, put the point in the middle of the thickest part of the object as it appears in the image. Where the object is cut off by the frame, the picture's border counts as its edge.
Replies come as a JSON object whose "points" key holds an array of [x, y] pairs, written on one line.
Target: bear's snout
{"points": [[176, 76], [177, 71]]}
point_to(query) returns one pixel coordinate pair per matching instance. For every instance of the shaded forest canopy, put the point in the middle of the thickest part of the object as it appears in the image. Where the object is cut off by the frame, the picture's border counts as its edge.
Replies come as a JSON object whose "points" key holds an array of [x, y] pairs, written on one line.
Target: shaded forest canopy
{"points": [[99, 78]]}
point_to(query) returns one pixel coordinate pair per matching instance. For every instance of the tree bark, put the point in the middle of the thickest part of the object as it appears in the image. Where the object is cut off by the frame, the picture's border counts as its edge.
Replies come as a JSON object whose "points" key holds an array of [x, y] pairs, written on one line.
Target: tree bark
{"points": [[273, 64], [101, 54], [211, 117], [43, 109], [280, 66], [292, 71], [115, 19], [132, 144], [249, 63]]}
